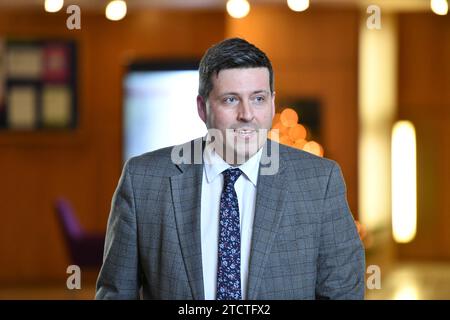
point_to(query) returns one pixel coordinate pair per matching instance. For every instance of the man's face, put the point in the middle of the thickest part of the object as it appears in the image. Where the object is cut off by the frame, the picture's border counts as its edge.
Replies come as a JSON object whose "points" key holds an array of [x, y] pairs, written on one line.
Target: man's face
{"points": [[240, 101]]}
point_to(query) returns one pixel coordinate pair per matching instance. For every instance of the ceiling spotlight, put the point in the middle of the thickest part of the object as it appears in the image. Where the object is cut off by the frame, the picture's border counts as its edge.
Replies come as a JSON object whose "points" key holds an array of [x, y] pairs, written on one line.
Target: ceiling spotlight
{"points": [[238, 8], [439, 7], [298, 5], [116, 10], [53, 5]]}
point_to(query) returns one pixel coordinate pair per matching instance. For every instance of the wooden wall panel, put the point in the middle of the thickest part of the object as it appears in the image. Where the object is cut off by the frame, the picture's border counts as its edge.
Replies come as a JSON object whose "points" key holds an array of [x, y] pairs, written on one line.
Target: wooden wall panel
{"points": [[83, 165], [424, 98], [314, 54]]}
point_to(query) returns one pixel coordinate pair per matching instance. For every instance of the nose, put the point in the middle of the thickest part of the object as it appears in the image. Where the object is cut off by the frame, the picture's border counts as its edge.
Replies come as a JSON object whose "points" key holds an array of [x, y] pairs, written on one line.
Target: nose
{"points": [[245, 112]]}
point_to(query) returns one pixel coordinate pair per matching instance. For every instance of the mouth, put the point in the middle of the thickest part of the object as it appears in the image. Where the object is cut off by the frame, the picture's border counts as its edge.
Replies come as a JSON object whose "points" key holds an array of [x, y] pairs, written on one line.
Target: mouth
{"points": [[245, 132]]}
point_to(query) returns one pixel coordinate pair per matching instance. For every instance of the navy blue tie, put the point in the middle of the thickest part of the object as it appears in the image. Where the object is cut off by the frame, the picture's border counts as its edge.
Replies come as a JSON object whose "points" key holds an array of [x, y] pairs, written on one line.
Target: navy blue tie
{"points": [[229, 250]]}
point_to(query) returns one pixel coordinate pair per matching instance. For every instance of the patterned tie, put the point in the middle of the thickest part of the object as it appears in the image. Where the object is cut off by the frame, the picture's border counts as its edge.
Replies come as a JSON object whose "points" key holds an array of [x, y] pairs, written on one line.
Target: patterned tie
{"points": [[229, 262]]}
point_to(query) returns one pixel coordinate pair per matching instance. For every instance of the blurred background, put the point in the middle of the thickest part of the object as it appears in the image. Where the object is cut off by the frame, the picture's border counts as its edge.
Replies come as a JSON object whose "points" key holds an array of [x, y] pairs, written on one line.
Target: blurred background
{"points": [[365, 83]]}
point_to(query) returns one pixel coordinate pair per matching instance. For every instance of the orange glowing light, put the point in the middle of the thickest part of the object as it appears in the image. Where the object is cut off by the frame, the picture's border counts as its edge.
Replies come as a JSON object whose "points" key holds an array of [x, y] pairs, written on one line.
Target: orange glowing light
{"points": [[314, 148], [297, 132], [273, 135], [299, 144], [276, 118], [286, 140], [283, 129], [289, 117]]}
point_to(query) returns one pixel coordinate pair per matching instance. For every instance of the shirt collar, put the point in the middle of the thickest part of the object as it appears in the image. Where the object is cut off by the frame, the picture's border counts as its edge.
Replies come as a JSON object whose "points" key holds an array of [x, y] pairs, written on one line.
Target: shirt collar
{"points": [[215, 165]]}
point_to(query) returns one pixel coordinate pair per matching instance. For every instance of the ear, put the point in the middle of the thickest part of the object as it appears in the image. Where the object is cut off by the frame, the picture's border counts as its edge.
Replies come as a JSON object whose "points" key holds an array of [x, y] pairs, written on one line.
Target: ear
{"points": [[201, 108]]}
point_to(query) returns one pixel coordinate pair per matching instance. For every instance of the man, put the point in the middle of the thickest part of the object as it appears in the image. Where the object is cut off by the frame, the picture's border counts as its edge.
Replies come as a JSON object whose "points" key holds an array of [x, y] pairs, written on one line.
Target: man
{"points": [[222, 227]]}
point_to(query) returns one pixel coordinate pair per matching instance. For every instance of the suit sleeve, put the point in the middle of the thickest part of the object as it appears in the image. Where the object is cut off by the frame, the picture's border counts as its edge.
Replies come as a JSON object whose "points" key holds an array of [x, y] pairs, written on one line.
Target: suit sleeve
{"points": [[341, 260], [119, 275]]}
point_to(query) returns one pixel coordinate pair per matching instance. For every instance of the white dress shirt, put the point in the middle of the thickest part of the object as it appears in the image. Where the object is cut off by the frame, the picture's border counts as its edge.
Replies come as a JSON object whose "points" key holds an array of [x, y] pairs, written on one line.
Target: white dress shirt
{"points": [[212, 185]]}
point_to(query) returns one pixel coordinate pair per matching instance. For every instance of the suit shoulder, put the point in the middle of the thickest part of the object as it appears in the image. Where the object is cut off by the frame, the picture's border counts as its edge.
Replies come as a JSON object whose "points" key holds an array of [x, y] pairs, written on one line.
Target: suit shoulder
{"points": [[307, 173], [157, 163], [152, 157], [302, 159], [301, 165]]}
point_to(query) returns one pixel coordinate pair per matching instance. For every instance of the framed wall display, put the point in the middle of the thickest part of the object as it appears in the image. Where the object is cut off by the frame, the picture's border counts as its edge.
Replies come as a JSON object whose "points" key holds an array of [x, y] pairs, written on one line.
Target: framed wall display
{"points": [[38, 84], [309, 111]]}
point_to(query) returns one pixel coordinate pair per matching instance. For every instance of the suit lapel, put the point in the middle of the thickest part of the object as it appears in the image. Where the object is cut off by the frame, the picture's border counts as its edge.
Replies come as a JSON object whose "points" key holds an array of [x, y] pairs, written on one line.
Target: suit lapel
{"points": [[186, 195], [270, 196]]}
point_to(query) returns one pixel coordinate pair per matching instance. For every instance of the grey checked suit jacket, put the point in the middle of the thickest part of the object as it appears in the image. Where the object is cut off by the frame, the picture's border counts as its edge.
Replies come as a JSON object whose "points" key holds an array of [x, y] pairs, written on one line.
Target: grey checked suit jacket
{"points": [[304, 243]]}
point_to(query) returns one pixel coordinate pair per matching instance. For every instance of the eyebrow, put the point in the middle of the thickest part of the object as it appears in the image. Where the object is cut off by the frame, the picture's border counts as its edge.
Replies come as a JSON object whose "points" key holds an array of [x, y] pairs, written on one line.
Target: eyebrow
{"points": [[237, 94], [261, 91]]}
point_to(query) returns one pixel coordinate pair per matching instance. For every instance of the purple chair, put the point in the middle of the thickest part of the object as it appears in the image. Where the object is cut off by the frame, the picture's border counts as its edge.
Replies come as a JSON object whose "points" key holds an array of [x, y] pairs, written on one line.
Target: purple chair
{"points": [[85, 249]]}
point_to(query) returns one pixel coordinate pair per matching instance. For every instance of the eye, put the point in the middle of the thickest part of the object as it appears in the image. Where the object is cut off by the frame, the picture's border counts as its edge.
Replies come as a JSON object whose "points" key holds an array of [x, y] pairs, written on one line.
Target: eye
{"points": [[259, 99], [229, 100]]}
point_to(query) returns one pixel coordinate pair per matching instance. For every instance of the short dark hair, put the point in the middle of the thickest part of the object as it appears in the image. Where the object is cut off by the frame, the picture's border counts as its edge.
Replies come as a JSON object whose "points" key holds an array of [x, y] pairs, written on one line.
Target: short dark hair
{"points": [[229, 54]]}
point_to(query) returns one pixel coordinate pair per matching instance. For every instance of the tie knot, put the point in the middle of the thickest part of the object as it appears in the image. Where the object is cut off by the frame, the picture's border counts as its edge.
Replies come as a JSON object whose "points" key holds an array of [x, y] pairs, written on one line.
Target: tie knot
{"points": [[231, 175]]}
